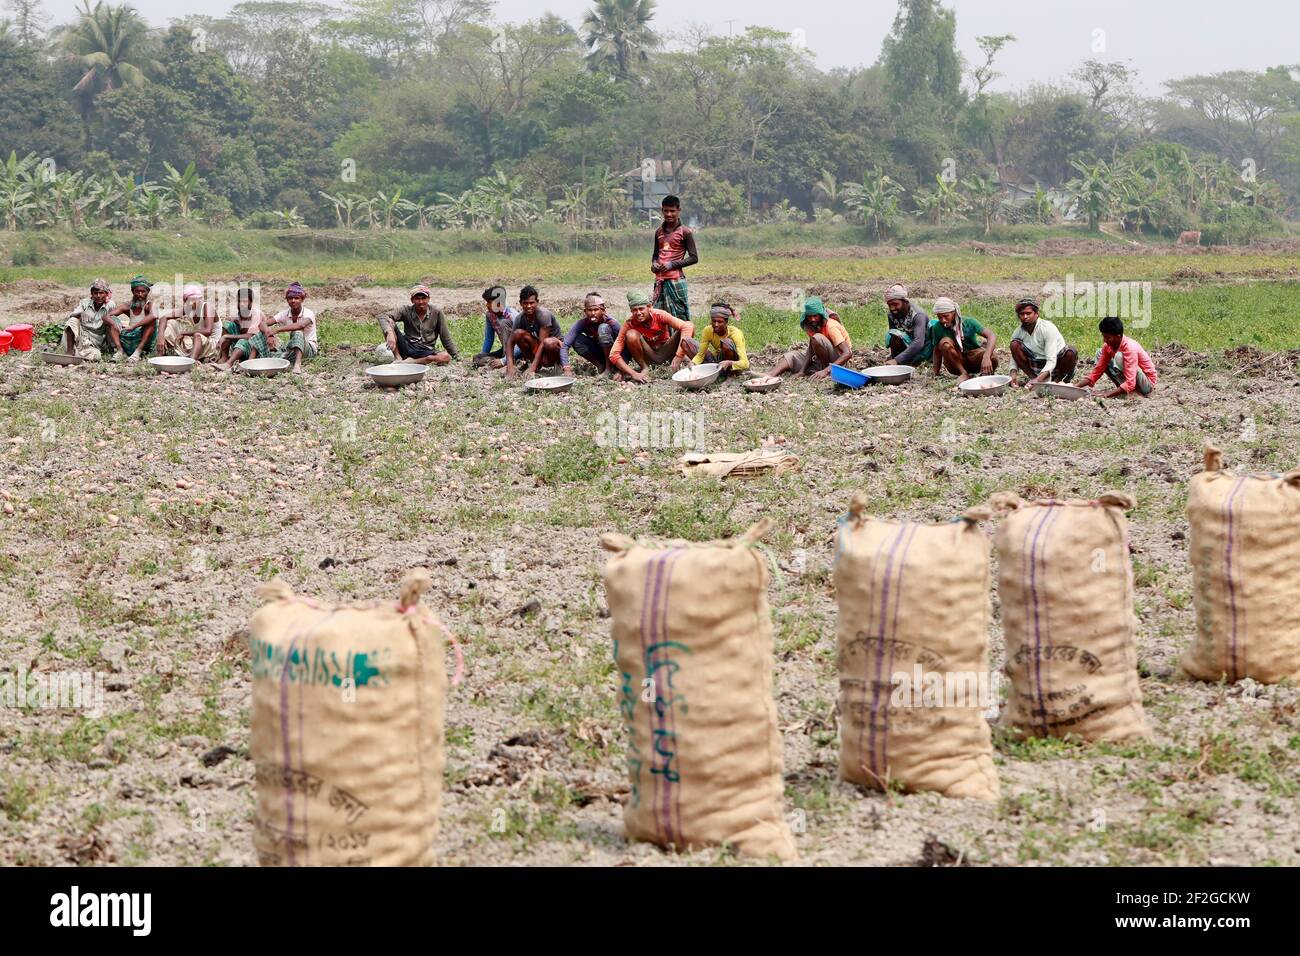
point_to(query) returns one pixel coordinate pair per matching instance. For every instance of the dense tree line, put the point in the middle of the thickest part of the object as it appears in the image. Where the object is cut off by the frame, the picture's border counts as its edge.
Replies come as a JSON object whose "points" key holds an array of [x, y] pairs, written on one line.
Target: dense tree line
{"points": [[427, 113]]}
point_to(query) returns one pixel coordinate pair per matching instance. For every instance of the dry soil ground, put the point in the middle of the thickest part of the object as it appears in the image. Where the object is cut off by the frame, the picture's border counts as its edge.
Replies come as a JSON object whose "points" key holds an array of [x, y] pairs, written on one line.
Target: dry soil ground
{"points": [[146, 509]]}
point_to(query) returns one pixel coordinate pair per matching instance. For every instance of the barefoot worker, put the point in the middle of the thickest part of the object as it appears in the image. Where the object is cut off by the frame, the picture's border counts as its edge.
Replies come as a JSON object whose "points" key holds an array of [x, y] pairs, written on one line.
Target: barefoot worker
{"points": [[412, 332], [498, 324], [300, 324], [236, 340], [192, 328], [89, 332], [723, 341], [906, 336], [649, 337], [536, 337], [954, 342], [828, 343], [1123, 361], [139, 324], [592, 336], [674, 250], [1039, 349]]}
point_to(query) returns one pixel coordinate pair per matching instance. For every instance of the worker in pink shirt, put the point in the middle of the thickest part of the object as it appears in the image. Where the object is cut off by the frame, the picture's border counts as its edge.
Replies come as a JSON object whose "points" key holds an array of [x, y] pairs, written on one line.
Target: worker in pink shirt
{"points": [[1123, 361]]}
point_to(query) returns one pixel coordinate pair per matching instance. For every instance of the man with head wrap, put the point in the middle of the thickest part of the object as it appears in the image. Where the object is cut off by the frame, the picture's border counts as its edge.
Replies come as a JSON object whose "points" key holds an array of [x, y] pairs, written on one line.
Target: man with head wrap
{"points": [[723, 341], [828, 343], [191, 328], [89, 332], [412, 332], [139, 328], [906, 336], [954, 343], [649, 337], [592, 335], [300, 325]]}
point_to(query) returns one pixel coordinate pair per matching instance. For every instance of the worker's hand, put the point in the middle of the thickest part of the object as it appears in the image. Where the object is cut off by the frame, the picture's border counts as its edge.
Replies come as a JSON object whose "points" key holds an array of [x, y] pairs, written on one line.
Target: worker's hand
{"points": [[567, 369], [725, 365], [891, 361], [986, 367], [391, 342], [656, 267], [824, 373], [677, 363], [641, 377], [512, 371]]}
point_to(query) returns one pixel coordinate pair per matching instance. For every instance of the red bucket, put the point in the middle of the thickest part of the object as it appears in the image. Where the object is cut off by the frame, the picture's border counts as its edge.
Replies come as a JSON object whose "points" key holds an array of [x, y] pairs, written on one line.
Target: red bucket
{"points": [[6, 339], [22, 337]]}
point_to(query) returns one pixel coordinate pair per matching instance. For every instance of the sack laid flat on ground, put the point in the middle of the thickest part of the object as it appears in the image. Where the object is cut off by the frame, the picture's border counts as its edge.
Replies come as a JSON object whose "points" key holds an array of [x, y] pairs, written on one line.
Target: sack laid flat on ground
{"points": [[913, 636], [1244, 549], [1065, 579], [693, 643], [347, 729]]}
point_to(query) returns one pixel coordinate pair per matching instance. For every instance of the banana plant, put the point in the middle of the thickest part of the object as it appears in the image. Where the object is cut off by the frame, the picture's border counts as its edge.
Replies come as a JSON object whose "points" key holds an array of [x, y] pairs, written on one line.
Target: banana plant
{"points": [[181, 187]]}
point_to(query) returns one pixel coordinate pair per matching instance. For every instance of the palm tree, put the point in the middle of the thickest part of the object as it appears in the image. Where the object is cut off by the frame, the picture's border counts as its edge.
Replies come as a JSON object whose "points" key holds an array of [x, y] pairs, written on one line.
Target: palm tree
{"points": [[112, 45], [827, 188], [618, 34]]}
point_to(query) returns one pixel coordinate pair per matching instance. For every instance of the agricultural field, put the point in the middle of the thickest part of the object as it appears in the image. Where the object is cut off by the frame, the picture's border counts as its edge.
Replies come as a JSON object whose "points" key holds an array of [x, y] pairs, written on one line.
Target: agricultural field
{"points": [[146, 510]]}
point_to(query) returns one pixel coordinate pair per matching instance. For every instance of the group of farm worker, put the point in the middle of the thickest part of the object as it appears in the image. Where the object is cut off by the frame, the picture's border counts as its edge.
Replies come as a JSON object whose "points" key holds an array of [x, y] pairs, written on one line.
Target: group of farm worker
{"points": [[530, 337], [965, 348], [99, 327]]}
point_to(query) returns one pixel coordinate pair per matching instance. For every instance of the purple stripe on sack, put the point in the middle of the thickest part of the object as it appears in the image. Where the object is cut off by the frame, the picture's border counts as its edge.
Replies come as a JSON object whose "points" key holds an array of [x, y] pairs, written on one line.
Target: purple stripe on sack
{"points": [[1032, 609], [1229, 583], [880, 644], [893, 634], [288, 750], [871, 602], [672, 794], [649, 607]]}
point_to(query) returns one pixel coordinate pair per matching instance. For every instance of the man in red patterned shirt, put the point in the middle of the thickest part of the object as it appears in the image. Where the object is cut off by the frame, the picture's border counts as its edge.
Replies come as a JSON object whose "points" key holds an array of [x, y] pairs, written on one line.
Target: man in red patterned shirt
{"points": [[674, 250]]}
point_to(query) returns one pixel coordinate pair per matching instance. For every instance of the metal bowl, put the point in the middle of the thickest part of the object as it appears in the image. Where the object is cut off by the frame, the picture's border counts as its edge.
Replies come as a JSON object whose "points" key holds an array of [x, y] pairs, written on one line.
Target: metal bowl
{"points": [[1063, 390], [396, 374], [61, 358], [264, 366], [550, 383], [890, 374], [698, 376], [172, 364], [985, 385], [848, 377], [764, 383]]}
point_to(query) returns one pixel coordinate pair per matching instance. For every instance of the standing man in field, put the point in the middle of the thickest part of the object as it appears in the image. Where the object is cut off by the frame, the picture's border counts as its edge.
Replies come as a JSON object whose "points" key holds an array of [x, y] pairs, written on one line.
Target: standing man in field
{"points": [[954, 342], [723, 341], [906, 337], [674, 250], [828, 343], [1039, 349], [592, 336], [537, 335], [138, 330], [89, 332], [412, 332]]}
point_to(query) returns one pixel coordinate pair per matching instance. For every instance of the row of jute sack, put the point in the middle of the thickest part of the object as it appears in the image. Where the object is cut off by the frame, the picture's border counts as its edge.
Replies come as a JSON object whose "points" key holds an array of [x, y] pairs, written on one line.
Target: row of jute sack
{"points": [[347, 724]]}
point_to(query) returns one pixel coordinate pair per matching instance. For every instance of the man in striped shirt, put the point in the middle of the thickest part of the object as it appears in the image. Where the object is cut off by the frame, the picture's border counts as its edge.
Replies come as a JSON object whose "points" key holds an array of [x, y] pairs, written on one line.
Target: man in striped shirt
{"points": [[674, 250]]}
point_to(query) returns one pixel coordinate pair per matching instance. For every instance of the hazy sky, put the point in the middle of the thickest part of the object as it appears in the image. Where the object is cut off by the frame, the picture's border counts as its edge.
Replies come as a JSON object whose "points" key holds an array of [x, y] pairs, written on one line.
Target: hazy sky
{"points": [[1161, 38]]}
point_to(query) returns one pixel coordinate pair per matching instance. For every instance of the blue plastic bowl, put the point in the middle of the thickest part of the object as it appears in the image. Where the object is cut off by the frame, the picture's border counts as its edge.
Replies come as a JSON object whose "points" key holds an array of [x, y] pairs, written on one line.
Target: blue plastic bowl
{"points": [[846, 376]]}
